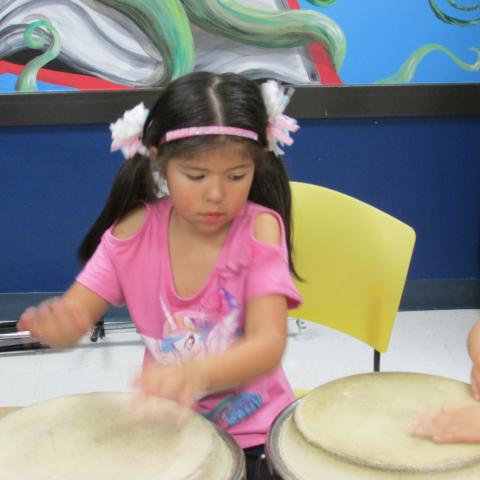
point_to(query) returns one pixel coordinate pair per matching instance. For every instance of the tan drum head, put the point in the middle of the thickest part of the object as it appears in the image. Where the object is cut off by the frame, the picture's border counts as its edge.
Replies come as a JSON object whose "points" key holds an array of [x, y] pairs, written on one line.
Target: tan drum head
{"points": [[293, 458], [98, 436], [365, 419]]}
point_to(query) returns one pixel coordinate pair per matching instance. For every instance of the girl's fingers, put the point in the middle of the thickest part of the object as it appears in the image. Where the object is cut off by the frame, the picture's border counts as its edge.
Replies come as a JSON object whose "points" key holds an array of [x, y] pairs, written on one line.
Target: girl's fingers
{"points": [[25, 319], [172, 383], [42, 324], [421, 427], [429, 425], [57, 322], [443, 437], [60, 322]]}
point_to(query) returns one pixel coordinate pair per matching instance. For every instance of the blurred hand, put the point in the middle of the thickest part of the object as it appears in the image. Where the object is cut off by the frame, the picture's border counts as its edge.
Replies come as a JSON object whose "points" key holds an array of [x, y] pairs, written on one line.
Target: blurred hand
{"points": [[180, 383], [475, 378], [57, 322], [450, 425]]}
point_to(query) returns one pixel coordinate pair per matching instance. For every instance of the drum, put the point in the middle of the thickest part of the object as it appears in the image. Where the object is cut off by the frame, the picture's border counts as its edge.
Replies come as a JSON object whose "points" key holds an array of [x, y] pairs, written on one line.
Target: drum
{"points": [[99, 435], [356, 428]]}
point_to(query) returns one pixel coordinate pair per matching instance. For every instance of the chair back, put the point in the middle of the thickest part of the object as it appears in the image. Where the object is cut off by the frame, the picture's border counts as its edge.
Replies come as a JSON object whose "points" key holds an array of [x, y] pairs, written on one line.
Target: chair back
{"points": [[354, 259]]}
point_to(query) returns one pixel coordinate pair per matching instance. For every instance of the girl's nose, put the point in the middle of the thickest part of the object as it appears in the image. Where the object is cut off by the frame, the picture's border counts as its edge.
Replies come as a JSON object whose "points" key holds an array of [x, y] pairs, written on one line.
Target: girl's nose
{"points": [[215, 190]]}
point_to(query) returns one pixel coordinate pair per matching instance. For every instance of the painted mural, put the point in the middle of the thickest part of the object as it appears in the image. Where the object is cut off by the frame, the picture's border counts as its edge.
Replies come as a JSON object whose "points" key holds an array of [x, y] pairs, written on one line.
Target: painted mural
{"points": [[124, 44]]}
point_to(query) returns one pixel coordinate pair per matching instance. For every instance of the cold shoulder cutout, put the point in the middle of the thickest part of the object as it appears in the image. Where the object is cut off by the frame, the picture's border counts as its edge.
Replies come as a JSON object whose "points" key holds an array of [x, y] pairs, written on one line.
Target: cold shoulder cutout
{"points": [[266, 228], [131, 223]]}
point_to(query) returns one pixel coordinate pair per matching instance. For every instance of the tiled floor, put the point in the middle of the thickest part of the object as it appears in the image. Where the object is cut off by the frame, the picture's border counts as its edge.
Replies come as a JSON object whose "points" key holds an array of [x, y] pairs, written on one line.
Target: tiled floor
{"points": [[428, 342]]}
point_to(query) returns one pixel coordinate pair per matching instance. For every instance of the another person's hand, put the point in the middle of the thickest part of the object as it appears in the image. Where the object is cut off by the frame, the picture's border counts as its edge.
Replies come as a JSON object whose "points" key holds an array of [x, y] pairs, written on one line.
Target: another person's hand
{"points": [[475, 377], [450, 425], [57, 322], [180, 383]]}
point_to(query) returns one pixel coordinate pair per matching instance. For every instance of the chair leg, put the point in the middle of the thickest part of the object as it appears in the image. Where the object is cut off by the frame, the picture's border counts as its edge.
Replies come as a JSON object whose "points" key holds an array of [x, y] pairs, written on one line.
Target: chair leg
{"points": [[376, 361]]}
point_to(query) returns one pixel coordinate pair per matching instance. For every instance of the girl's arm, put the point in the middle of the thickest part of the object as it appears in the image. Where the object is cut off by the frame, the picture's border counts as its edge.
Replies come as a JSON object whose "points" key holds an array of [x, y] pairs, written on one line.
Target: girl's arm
{"points": [[257, 353], [473, 345], [473, 342], [61, 322]]}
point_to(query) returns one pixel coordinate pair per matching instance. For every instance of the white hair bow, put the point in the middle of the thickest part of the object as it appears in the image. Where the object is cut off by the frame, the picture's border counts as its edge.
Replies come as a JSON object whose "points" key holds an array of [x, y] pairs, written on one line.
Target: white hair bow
{"points": [[276, 98], [127, 132]]}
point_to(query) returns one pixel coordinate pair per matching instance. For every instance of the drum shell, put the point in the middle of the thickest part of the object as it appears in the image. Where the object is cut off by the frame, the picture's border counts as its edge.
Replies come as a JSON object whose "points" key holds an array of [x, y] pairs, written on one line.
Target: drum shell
{"points": [[276, 465], [238, 457]]}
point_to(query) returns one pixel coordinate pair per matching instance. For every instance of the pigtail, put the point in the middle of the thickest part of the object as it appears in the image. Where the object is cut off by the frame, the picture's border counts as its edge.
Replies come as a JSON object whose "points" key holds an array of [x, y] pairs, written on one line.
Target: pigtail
{"points": [[133, 184], [271, 188]]}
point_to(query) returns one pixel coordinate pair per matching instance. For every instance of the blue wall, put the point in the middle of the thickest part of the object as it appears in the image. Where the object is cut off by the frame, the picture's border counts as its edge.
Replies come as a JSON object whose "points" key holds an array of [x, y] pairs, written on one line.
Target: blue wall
{"points": [[425, 171]]}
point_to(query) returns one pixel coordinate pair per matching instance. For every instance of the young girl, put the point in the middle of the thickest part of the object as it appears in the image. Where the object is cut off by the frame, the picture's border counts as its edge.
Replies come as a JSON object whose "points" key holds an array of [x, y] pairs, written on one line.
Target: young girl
{"points": [[457, 424], [205, 271]]}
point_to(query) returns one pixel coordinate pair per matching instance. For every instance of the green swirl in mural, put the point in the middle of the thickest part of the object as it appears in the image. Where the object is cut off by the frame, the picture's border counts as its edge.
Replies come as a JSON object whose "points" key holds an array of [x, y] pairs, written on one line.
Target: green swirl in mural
{"points": [[322, 3], [452, 20], [166, 25], [465, 8], [266, 28], [407, 70], [27, 80]]}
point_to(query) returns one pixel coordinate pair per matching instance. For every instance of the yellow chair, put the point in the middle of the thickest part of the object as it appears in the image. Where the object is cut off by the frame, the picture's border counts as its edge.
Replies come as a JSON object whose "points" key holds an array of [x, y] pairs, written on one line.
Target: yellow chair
{"points": [[354, 259]]}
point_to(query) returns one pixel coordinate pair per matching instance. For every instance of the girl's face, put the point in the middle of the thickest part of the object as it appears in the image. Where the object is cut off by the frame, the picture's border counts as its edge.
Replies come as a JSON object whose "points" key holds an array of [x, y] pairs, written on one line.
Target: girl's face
{"points": [[208, 189]]}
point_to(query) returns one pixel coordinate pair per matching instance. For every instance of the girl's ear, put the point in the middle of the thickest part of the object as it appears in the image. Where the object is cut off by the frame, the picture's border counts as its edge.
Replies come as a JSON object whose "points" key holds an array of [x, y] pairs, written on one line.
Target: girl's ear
{"points": [[153, 155]]}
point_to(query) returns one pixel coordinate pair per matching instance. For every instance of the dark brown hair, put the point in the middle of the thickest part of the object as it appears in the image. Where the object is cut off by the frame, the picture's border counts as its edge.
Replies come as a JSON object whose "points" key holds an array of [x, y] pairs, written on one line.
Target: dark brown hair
{"points": [[198, 99]]}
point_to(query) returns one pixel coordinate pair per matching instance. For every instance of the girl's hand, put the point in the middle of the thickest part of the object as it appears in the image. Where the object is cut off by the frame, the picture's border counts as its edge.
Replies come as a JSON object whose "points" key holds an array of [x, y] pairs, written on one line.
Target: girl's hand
{"points": [[450, 425], [58, 322], [181, 383], [475, 378]]}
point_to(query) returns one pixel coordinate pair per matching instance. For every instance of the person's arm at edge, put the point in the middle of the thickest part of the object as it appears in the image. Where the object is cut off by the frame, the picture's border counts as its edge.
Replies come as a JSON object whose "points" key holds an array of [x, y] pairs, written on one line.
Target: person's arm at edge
{"points": [[473, 345]]}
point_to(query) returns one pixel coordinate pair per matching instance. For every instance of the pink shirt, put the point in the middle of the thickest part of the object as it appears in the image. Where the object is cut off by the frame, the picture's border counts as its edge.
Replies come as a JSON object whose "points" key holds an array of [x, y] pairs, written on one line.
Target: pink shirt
{"points": [[137, 271]]}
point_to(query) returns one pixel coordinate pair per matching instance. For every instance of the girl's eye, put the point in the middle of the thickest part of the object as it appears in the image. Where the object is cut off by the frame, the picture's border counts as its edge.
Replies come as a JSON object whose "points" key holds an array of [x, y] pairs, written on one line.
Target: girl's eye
{"points": [[195, 178], [236, 178]]}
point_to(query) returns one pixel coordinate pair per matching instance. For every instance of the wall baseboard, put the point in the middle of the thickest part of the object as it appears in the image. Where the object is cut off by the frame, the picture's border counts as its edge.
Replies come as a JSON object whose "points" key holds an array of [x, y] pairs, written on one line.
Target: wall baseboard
{"points": [[428, 294], [441, 294]]}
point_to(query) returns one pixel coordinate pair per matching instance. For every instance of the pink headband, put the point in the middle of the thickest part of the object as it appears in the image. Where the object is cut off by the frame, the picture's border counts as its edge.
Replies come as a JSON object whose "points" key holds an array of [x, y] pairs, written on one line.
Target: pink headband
{"points": [[210, 130]]}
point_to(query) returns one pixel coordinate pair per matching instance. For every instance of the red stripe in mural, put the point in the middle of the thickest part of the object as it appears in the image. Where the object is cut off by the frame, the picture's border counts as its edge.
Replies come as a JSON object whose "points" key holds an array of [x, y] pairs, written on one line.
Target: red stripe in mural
{"points": [[74, 80], [294, 5], [320, 57]]}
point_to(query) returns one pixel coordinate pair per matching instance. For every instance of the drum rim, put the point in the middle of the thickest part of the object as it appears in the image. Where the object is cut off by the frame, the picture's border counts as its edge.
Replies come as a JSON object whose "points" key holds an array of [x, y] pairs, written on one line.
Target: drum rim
{"points": [[237, 452], [272, 451]]}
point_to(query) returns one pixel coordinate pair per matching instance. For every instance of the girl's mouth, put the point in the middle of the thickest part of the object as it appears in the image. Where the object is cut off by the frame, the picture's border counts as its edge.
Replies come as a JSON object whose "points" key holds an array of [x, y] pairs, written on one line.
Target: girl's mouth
{"points": [[212, 217]]}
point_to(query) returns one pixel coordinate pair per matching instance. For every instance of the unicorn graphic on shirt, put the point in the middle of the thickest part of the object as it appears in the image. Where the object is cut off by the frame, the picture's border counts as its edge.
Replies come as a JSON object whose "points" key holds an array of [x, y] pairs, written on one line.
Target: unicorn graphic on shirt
{"points": [[187, 334]]}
